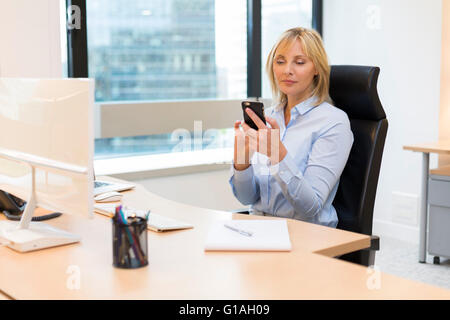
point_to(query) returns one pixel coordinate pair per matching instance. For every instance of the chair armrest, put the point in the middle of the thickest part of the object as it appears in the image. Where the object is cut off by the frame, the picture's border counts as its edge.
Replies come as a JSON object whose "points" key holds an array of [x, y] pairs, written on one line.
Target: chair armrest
{"points": [[374, 243], [365, 257]]}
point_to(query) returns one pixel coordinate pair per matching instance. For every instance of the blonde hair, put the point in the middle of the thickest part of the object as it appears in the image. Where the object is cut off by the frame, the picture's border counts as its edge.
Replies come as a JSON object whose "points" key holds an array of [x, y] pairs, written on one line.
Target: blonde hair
{"points": [[312, 45]]}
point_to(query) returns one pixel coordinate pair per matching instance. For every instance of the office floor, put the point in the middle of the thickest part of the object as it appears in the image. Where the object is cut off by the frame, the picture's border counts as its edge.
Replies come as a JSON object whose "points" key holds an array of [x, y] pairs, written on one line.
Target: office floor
{"points": [[400, 258]]}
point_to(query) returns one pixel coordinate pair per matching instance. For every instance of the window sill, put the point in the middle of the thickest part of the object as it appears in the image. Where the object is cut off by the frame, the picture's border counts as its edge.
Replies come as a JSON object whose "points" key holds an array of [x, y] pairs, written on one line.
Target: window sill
{"points": [[167, 164]]}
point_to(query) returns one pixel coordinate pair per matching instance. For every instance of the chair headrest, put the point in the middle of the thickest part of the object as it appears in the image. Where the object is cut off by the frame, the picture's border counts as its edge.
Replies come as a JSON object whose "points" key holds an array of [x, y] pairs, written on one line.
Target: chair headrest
{"points": [[353, 89]]}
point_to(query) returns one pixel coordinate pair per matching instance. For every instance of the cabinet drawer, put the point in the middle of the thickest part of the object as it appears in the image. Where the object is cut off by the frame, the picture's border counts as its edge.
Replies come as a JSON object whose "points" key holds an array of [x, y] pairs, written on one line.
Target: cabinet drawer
{"points": [[439, 235], [439, 192]]}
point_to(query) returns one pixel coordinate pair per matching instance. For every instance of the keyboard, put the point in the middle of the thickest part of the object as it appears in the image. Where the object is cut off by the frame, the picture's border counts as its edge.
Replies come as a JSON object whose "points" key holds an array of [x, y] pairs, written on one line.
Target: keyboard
{"points": [[98, 184], [155, 221], [160, 223], [106, 186]]}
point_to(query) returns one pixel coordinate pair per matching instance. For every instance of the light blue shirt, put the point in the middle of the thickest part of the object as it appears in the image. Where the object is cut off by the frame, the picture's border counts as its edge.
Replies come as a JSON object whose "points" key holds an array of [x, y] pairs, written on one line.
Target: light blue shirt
{"points": [[303, 185]]}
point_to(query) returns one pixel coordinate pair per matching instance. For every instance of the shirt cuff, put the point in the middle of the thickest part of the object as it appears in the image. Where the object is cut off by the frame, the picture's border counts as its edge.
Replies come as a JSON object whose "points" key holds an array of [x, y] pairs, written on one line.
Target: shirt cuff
{"points": [[286, 169], [243, 175]]}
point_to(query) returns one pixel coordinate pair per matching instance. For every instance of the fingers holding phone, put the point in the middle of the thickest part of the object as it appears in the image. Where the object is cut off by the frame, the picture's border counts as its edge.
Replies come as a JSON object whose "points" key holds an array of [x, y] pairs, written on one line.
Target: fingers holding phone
{"points": [[258, 134], [245, 139], [265, 139], [242, 153], [256, 119]]}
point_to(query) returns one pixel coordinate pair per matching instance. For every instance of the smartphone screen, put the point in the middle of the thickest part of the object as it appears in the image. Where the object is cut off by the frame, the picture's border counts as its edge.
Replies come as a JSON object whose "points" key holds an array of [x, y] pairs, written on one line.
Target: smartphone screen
{"points": [[258, 108]]}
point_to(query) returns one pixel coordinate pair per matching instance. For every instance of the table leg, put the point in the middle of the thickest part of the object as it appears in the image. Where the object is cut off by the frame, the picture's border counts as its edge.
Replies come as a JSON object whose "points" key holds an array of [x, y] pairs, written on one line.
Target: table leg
{"points": [[424, 208]]}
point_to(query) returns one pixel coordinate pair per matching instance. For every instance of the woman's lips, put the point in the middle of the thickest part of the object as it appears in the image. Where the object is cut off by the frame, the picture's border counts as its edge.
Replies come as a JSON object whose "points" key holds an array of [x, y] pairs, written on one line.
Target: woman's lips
{"points": [[288, 81]]}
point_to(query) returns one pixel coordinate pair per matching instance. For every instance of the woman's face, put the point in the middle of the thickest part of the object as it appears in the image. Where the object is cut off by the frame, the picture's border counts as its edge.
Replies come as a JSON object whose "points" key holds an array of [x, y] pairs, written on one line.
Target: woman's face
{"points": [[294, 72]]}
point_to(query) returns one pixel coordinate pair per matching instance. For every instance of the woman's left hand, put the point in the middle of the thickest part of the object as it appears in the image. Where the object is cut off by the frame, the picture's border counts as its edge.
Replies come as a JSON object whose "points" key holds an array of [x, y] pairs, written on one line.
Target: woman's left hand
{"points": [[265, 140]]}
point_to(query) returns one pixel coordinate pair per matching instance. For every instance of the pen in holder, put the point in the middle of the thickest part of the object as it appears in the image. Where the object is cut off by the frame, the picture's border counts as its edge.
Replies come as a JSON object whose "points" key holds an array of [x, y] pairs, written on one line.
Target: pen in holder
{"points": [[129, 240]]}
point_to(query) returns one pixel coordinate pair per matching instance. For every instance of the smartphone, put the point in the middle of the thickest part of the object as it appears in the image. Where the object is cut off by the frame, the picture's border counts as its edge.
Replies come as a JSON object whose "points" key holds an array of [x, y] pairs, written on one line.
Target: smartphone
{"points": [[258, 108]]}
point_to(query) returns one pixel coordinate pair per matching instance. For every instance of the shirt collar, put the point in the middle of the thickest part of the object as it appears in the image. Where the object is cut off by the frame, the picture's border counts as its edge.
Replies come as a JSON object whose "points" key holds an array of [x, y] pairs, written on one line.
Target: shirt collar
{"points": [[301, 108], [304, 106]]}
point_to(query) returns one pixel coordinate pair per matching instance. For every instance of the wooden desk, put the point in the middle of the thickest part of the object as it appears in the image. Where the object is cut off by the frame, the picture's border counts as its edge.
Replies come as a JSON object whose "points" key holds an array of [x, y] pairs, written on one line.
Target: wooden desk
{"points": [[440, 147], [179, 268], [441, 171]]}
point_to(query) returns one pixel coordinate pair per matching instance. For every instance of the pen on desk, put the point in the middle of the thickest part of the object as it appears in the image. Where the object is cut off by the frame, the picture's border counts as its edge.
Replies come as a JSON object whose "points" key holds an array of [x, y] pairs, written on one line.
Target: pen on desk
{"points": [[243, 232]]}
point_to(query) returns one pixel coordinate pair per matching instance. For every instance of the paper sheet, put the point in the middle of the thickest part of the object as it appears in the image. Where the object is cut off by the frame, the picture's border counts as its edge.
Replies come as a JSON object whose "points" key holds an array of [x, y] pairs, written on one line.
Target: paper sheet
{"points": [[267, 235]]}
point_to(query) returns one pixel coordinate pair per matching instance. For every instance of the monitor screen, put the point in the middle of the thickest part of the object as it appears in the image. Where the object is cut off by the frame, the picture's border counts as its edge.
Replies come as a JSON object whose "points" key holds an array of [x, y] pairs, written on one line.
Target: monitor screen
{"points": [[50, 123]]}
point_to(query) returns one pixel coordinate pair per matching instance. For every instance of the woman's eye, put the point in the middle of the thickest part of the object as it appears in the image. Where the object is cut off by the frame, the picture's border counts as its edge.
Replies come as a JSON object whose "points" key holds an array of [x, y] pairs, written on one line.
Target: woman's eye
{"points": [[280, 61], [300, 62]]}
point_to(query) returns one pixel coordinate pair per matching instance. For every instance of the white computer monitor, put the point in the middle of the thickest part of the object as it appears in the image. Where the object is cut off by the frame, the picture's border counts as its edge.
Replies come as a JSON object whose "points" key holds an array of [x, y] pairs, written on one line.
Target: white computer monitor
{"points": [[46, 154]]}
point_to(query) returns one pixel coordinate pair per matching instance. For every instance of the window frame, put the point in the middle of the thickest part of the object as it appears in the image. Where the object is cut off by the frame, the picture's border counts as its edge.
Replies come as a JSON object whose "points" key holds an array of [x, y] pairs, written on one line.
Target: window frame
{"points": [[124, 118], [77, 54], [77, 51], [111, 114]]}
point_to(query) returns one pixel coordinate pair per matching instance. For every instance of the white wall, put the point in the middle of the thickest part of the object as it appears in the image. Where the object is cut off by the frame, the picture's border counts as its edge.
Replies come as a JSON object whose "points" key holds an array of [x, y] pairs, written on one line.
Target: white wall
{"points": [[444, 115], [404, 40], [30, 39]]}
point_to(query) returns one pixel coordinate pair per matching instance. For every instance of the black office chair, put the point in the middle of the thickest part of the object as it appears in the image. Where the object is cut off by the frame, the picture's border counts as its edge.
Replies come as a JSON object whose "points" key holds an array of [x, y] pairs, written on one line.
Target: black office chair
{"points": [[353, 89]]}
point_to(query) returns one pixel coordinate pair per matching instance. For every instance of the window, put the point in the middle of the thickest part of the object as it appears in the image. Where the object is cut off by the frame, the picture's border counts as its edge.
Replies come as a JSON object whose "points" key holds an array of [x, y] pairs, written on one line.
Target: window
{"points": [[162, 143], [276, 17], [179, 50], [167, 49]]}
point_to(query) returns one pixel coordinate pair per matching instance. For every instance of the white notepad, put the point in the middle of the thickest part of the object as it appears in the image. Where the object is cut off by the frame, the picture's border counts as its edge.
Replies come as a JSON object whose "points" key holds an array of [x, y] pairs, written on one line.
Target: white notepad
{"points": [[266, 235]]}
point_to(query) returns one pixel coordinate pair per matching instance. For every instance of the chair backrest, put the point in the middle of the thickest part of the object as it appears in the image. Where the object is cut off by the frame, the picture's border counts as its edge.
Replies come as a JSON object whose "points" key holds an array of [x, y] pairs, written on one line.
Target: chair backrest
{"points": [[353, 89]]}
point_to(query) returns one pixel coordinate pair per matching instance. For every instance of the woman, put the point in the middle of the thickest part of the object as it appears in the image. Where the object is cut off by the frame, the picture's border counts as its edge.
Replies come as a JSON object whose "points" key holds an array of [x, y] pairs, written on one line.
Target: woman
{"points": [[291, 166]]}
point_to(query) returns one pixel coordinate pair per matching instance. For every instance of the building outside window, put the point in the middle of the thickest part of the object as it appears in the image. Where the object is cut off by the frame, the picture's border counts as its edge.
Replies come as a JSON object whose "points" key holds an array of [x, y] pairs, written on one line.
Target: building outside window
{"points": [[167, 49]]}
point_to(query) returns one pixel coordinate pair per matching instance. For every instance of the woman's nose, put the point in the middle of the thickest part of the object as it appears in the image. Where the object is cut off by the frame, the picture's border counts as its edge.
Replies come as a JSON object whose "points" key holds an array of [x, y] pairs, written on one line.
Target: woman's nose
{"points": [[287, 69]]}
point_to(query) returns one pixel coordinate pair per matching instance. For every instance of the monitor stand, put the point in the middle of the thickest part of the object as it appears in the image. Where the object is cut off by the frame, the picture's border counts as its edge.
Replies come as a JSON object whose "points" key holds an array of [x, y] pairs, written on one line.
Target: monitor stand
{"points": [[37, 236], [26, 235]]}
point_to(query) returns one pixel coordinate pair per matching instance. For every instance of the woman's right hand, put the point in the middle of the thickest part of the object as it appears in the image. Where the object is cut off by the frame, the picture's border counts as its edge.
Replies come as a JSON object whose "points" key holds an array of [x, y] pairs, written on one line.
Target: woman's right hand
{"points": [[242, 153]]}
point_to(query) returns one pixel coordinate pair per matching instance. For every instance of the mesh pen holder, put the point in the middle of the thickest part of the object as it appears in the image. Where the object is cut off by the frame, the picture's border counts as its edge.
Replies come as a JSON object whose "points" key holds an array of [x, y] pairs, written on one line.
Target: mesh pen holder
{"points": [[130, 243]]}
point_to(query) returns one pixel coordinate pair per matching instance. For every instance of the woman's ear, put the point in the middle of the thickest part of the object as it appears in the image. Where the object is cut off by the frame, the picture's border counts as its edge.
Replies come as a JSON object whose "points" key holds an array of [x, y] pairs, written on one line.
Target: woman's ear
{"points": [[315, 70]]}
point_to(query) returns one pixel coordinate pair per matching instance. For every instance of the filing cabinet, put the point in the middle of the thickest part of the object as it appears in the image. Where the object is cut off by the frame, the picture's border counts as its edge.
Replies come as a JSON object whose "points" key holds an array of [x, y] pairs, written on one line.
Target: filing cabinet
{"points": [[439, 215]]}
